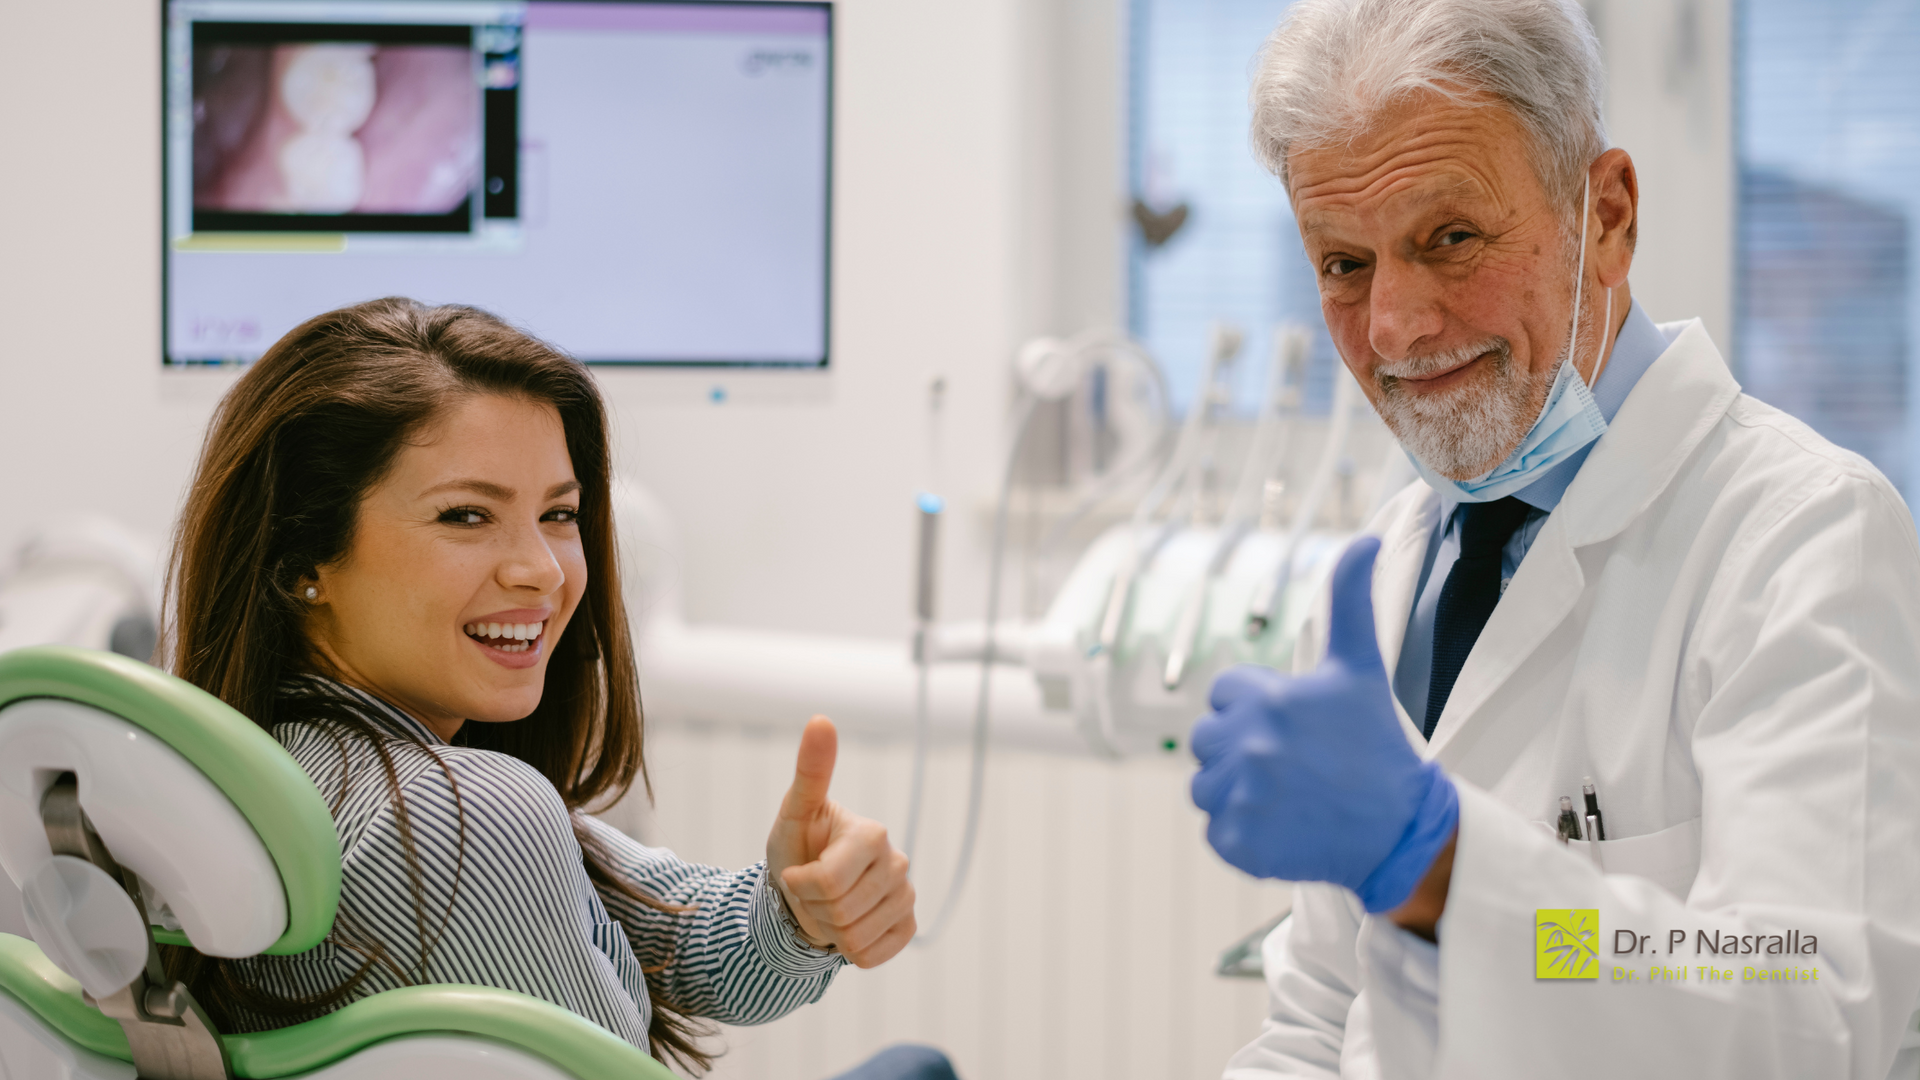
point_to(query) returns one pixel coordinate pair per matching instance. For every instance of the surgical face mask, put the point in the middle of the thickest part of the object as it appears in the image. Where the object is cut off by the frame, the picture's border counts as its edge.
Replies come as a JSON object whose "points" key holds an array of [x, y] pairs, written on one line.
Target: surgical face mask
{"points": [[1569, 419]]}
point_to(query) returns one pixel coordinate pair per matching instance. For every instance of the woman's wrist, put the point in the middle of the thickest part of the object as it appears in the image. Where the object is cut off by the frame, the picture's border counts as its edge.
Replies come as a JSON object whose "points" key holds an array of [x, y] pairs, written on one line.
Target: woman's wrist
{"points": [[794, 929]]}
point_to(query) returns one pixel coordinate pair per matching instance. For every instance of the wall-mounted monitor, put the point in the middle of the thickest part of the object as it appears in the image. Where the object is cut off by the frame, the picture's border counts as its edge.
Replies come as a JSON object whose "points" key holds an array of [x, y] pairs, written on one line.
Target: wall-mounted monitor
{"points": [[635, 182]]}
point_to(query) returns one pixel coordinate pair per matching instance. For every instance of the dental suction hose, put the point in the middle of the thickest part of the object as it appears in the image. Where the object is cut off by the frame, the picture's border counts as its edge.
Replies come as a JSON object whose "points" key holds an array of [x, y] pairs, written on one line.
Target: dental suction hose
{"points": [[982, 709], [1045, 370]]}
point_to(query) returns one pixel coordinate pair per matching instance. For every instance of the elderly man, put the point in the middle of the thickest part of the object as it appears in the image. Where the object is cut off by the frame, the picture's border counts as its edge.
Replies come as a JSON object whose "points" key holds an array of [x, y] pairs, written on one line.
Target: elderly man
{"points": [[1618, 571]]}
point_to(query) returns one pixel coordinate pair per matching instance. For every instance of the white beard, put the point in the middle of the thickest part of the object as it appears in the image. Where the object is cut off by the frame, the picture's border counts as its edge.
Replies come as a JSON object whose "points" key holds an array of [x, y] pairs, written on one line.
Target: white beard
{"points": [[1466, 431]]}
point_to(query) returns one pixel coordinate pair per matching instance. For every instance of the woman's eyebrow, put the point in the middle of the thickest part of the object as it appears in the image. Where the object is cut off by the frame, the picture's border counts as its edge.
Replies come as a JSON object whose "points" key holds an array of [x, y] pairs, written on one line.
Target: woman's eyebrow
{"points": [[496, 491], [479, 487]]}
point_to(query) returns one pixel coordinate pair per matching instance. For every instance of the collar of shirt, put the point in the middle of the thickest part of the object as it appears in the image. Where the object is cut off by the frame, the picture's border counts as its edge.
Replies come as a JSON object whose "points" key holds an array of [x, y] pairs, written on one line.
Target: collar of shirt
{"points": [[1639, 344], [388, 718]]}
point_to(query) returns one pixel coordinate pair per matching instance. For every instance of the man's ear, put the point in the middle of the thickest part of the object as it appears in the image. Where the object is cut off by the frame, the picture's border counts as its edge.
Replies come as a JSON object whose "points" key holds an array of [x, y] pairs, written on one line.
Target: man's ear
{"points": [[1618, 186]]}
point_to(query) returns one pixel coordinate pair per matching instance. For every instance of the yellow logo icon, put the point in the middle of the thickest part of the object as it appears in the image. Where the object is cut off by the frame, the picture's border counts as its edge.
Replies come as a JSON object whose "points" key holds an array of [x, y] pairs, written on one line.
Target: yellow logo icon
{"points": [[1566, 943]]}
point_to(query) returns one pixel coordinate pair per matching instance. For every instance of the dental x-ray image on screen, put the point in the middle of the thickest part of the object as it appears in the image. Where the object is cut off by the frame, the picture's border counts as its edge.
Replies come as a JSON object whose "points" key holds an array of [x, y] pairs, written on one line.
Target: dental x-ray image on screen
{"points": [[636, 181]]}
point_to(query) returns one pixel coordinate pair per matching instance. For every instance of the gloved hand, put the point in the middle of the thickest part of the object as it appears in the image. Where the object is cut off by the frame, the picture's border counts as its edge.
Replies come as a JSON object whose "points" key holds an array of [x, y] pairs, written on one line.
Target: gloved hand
{"points": [[1311, 778]]}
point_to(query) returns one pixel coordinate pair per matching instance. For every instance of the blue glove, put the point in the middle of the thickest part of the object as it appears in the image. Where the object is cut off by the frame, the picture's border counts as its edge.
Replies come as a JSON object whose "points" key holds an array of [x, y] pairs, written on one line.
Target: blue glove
{"points": [[1311, 778]]}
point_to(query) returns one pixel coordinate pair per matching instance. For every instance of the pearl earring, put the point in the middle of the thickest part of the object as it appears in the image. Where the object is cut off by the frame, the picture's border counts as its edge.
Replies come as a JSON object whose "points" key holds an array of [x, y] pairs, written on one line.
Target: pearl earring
{"points": [[313, 593]]}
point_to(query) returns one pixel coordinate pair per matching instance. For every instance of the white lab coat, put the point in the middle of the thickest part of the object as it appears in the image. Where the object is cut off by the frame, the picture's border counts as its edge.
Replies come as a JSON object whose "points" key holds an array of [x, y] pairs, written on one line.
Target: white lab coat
{"points": [[1720, 624]]}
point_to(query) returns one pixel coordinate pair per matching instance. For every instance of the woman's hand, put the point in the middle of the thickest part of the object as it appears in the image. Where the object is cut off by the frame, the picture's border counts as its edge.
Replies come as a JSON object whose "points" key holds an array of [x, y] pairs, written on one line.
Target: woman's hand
{"points": [[845, 884]]}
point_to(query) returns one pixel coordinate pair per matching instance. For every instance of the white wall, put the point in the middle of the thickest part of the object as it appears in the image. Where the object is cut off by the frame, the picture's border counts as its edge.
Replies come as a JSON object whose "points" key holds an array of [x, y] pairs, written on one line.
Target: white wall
{"points": [[88, 424], [797, 489], [1670, 105]]}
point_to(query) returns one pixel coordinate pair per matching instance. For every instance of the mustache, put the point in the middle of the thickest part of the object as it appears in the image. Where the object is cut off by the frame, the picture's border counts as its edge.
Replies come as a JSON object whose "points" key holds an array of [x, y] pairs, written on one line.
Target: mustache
{"points": [[1389, 376]]}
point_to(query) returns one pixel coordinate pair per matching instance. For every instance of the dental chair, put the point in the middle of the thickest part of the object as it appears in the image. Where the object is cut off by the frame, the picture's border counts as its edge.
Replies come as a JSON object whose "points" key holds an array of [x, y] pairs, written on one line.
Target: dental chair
{"points": [[136, 808]]}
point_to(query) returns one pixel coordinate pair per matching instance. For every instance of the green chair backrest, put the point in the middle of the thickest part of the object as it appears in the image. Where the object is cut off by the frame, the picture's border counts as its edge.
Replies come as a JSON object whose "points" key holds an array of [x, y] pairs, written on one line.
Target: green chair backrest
{"points": [[279, 800]]}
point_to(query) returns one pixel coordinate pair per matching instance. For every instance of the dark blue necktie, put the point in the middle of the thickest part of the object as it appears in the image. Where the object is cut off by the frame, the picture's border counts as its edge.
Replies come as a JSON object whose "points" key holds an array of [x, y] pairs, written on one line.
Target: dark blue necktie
{"points": [[1468, 598]]}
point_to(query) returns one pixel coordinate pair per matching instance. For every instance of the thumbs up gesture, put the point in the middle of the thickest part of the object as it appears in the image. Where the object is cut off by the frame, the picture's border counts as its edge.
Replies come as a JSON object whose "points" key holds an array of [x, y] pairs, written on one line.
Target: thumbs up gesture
{"points": [[845, 884], [1311, 778]]}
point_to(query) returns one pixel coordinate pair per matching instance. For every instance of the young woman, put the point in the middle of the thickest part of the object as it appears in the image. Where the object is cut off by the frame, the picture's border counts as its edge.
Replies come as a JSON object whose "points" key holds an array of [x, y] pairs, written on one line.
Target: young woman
{"points": [[397, 557]]}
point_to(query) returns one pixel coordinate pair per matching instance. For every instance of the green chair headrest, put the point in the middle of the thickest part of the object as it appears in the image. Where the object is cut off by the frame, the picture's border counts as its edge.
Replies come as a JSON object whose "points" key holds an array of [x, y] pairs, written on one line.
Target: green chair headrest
{"points": [[263, 781]]}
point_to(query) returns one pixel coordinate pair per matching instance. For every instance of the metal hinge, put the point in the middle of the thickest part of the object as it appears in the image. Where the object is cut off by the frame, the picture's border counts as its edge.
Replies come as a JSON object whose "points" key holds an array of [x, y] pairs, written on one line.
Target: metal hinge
{"points": [[171, 1036]]}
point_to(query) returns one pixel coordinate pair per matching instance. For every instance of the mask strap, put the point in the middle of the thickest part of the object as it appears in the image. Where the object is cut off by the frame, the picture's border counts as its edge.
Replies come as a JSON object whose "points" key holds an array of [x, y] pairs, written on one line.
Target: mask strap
{"points": [[1606, 328], [1579, 284]]}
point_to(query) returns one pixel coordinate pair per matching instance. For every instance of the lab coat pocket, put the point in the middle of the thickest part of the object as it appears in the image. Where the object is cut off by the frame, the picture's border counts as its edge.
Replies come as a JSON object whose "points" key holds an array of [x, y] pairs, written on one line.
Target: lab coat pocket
{"points": [[1669, 858]]}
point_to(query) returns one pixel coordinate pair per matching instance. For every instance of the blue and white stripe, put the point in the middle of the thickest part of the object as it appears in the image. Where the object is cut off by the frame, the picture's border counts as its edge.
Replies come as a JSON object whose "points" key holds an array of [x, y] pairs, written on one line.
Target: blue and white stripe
{"points": [[510, 904]]}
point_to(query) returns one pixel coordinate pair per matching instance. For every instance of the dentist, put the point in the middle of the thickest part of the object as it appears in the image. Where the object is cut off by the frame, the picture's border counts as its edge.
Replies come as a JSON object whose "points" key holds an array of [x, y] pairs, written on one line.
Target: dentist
{"points": [[1616, 566]]}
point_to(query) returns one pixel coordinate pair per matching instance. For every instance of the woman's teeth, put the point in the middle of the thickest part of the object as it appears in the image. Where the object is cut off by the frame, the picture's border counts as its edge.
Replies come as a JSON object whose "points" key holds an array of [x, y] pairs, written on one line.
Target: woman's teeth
{"points": [[507, 637]]}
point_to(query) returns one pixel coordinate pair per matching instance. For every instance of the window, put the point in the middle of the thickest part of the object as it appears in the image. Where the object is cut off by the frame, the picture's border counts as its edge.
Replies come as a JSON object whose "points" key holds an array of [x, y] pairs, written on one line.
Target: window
{"points": [[1828, 139], [1237, 255]]}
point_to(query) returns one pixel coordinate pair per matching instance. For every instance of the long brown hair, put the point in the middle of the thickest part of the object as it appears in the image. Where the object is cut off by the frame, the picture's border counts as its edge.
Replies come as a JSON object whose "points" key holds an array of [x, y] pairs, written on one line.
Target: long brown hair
{"points": [[292, 450]]}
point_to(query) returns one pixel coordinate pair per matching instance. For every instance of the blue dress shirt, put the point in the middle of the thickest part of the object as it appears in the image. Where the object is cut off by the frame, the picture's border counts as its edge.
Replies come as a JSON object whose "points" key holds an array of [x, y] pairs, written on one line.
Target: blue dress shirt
{"points": [[1640, 343]]}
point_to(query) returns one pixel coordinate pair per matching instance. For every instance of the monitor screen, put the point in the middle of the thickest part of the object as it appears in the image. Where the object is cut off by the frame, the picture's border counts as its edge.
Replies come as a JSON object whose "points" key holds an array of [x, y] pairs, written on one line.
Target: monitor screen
{"points": [[634, 182]]}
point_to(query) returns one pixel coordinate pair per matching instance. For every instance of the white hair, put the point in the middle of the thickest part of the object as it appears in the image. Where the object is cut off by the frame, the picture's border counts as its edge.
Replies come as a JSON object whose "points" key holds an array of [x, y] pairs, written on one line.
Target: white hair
{"points": [[1332, 66]]}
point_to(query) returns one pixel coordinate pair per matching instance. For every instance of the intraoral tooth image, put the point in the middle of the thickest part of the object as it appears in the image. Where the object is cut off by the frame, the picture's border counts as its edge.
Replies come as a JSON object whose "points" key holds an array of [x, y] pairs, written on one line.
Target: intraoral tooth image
{"points": [[329, 91], [334, 128], [323, 172]]}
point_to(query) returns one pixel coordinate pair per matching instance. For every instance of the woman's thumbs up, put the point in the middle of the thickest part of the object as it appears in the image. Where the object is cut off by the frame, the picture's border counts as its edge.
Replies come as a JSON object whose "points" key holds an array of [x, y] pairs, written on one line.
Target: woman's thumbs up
{"points": [[812, 771], [844, 883]]}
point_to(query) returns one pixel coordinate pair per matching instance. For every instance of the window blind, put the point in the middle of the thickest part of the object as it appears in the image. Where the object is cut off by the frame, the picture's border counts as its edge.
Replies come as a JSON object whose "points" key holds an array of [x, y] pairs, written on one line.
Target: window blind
{"points": [[1828, 143]]}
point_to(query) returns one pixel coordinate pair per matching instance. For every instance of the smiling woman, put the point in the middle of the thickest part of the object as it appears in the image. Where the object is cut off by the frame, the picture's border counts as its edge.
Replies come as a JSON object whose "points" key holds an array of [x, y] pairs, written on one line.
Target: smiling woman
{"points": [[397, 558], [467, 562]]}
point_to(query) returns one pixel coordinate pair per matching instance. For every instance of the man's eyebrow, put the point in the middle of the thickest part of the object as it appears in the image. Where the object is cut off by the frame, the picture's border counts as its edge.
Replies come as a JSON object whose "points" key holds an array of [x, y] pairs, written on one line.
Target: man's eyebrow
{"points": [[1444, 203], [478, 487]]}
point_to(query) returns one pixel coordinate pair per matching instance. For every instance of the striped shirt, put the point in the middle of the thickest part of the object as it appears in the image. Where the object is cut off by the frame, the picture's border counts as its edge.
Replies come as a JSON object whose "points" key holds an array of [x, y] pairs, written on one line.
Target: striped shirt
{"points": [[510, 904]]}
